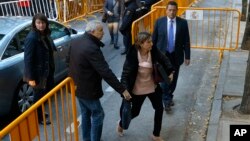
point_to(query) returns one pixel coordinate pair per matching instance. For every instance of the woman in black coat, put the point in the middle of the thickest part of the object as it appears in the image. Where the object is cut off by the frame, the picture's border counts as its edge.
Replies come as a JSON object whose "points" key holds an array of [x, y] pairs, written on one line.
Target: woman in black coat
{"points": [[39, 59], [137, 77]]}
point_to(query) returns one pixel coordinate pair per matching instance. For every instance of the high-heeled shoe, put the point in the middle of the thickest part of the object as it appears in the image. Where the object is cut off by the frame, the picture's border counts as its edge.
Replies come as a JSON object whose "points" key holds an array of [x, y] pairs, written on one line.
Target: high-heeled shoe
{"points": [[155, 138], [119, 129]]}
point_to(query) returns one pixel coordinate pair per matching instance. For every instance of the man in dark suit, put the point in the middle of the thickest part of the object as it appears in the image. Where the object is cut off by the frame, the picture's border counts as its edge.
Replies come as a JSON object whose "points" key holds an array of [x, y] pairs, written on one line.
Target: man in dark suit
{"points": [[87, 68], [171, 36]]}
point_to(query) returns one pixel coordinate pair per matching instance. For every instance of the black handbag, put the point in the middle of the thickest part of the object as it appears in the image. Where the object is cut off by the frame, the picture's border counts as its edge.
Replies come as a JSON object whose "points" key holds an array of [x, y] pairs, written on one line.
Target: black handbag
{"points": [[159, 74], [126, 114], [104, 17]]}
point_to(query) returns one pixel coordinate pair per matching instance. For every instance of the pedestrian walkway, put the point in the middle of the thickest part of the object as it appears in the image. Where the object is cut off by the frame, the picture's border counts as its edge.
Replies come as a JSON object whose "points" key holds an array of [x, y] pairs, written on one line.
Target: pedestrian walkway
{"points": [[229, 91], [204, 97], [196, 84]]}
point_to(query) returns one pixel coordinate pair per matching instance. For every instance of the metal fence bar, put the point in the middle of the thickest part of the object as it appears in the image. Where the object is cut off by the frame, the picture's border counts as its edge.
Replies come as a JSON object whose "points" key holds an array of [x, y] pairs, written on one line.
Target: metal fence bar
{"points": [[213, 31], [26, 126], [29, 8]]}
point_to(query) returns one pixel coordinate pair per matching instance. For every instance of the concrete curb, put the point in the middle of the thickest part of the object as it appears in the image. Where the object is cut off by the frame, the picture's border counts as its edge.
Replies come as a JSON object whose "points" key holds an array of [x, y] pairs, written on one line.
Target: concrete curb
{"points": [[217, 102]]}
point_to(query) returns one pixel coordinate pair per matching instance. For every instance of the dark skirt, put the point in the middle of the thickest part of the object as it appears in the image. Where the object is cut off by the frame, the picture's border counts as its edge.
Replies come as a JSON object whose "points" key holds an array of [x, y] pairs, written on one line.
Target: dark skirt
{"points": [[112, 19]]}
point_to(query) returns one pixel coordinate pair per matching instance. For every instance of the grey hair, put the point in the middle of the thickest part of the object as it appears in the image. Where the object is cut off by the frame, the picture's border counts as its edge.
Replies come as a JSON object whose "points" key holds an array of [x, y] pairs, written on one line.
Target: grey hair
{"points": [[92, 25]]}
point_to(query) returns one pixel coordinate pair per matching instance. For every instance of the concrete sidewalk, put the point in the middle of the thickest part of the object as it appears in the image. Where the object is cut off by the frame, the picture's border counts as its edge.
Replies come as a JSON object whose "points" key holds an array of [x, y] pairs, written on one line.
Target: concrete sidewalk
{"points": [[193, 119], [228, 96], [229, 92]]}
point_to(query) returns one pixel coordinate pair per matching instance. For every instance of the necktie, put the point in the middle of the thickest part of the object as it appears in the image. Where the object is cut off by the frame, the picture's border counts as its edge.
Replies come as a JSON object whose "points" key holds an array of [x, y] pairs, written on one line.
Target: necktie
{"points": [[171, 37]]}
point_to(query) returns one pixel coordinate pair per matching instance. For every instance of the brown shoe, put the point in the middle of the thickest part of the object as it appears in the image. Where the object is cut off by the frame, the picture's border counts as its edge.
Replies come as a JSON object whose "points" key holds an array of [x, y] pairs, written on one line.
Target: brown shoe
{"points": [[155, 138], [119, 129]]}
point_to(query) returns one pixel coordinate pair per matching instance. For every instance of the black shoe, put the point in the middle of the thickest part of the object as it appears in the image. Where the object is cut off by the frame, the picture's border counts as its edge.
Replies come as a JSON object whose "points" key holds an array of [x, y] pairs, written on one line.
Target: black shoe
{"points": [[41, 115], [46, 114], [168, 109], [124, 52], [116, 47], [46, 121], [171, 103]]}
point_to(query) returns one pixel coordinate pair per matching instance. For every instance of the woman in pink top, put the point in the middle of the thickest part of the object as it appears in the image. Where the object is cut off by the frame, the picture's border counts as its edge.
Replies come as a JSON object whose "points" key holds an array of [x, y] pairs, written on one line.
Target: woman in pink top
{"points": [[138, 79]]}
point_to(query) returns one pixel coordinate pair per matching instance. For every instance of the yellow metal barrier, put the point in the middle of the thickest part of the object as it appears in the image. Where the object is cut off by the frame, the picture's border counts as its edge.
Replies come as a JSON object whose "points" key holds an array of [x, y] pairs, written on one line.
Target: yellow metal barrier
{"points": [[209, 28], [93, 6], [181, 3], [62, 113], [69, 10]]}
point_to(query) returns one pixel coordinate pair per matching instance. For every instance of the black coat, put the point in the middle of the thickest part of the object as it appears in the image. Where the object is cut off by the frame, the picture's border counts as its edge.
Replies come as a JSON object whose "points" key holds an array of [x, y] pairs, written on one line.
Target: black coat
{"points": [[130, 67], [37, 60], [88, 67]]}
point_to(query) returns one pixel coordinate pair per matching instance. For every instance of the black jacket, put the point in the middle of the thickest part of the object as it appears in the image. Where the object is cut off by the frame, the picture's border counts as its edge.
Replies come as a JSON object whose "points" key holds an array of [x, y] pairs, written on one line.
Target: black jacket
{"points": [[130, 67], [88, 66], [38, 58]]}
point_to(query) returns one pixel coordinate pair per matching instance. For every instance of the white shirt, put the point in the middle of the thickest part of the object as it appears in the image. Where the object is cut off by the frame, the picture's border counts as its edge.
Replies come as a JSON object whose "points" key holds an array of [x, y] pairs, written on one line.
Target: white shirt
{"points": [[174, 26]]}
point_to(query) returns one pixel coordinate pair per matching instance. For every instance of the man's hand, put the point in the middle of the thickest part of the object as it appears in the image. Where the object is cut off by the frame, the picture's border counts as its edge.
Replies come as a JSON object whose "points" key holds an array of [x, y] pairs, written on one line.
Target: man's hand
{"points": [[32, 83], [187, 62], [126, 95]]}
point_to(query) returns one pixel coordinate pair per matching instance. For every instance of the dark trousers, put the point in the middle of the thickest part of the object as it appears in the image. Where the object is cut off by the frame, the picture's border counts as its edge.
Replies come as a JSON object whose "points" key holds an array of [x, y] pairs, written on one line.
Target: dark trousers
{"points": [[156, 101], [168, 89], [40, 92], [127, 40]]}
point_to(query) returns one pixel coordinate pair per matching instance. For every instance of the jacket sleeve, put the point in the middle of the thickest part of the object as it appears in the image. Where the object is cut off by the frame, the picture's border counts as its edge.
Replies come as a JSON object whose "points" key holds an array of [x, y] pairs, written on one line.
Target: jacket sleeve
{"points": [[126, 73], [52, 43], [105, 8], [119, 8], [129, 72], [186, 40], [155, 34], [97, 60], [164, 60], [29, 53]]}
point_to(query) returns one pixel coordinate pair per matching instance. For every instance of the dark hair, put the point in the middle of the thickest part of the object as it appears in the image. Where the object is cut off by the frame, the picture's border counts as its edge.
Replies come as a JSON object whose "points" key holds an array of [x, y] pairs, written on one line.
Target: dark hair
{"points": [[43, 18], [172, 3], [141, 38]]}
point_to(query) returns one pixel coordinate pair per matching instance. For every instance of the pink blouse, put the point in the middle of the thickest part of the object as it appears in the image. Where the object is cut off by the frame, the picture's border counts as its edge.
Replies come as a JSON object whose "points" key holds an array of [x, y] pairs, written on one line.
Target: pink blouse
{"points": [[144, 83]]}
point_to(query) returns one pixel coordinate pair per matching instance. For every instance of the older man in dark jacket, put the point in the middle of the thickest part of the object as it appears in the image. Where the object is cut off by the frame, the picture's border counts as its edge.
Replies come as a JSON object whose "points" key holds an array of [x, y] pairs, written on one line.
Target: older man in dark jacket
{"points": [[88, 67]]}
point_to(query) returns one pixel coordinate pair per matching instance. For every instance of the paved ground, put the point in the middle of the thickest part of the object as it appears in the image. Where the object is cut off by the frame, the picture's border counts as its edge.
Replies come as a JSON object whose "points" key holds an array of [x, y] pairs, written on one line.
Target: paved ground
{"points": [[204, 96], [204, 99], [229, 91], [196, 84]]}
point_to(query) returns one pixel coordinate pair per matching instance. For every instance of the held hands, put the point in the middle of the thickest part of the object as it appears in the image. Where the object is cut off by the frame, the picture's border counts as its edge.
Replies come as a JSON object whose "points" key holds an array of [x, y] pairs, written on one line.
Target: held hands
{"points": [[32, 83], [126, 95]]}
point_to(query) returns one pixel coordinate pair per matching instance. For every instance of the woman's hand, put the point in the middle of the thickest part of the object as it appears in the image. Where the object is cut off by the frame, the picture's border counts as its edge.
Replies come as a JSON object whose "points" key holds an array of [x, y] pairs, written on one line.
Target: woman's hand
{"points": [[110, 13], [171, 76], [126, 95], [32, 83]]}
